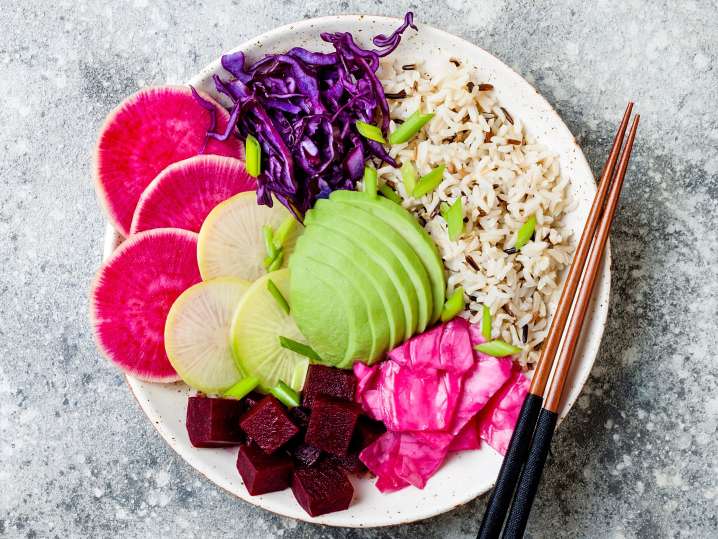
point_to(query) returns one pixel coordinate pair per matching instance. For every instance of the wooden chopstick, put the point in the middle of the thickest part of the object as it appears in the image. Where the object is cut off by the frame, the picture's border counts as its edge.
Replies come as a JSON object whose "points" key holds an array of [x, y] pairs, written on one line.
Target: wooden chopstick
{"points": [[517, 451], [546, 424]]}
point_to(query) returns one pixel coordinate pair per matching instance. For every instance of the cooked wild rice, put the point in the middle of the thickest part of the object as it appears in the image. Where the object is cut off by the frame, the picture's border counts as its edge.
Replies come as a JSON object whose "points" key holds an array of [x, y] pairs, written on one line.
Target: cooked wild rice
{"points": [[502, 182]]}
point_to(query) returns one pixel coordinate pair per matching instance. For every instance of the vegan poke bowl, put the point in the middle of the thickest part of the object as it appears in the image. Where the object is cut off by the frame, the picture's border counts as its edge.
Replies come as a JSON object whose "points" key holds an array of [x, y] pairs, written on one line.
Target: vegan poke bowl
{"points": [[331, 263]]}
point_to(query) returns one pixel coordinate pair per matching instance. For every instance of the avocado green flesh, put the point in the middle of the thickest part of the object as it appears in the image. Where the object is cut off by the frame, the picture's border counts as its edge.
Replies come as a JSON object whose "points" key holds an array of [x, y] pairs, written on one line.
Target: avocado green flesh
{"points": [[403, 223], [382, 233], [335, 252], [312, 316], [379, 265], [330, 341]]}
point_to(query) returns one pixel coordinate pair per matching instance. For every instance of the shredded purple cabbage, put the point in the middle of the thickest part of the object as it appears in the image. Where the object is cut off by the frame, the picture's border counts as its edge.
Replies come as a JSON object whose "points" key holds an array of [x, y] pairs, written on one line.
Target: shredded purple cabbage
{"points": [[302, 107]]}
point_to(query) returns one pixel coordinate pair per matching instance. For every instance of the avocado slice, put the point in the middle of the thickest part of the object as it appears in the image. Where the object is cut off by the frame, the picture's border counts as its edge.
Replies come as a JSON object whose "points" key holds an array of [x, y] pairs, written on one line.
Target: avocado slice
{"points": [[312, 309], [392, 252], [378, 262], [405, 224], [335, 251]]}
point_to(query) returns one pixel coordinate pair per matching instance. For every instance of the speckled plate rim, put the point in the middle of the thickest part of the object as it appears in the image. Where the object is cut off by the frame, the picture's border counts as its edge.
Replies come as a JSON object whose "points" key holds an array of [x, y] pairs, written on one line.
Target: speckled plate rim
{"points": [[447, 496]]}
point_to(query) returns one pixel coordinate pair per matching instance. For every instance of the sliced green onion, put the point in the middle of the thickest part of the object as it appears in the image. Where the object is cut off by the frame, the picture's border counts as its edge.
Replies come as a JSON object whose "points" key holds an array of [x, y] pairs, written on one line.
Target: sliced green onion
{"points": [[277, 295], [389, 193], [299, 348], [369, 131], [275, 264], [252, 156], [443, 208], [525, 232], [486, 322], [455, 219], [285, 394], [429, 182], [454, 305], [409, 128], [283, 231], [498, 348], [370, 180], [408, 176], [268, 235], [242, 388]]}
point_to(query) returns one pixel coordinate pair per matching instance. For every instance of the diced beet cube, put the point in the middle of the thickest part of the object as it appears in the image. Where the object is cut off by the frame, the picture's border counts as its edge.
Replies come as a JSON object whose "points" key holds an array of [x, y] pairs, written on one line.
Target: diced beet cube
{"points": [[349, 463], [300, 416], [263, 473], [268, 424], [330, 381], [366, 432], [331, 424], [306, 455], [322, 489], [214, 422]]}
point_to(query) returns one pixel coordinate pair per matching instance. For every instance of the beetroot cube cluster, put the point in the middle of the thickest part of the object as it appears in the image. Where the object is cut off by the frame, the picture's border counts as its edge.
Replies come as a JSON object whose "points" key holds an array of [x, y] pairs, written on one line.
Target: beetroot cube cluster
{"points": [[331, 424], [214, 422], [268, 425], [322, 489], [328, 381]]}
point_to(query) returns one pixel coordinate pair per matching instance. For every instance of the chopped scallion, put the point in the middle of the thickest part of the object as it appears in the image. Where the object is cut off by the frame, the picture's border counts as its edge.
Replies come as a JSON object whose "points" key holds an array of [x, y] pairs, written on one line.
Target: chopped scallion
{"points": [[429, 182], [298, 348], [455, 219], [454, 305], [443, 208], [409, 128], [498, 348], [408, 176], [370, 180], [277, 295], [285, 394], [252, 156], [369, 131], [389, 193], [275, 264], [525, 232], [486, 322], [242, 388], [283, 231], [268, 235]]}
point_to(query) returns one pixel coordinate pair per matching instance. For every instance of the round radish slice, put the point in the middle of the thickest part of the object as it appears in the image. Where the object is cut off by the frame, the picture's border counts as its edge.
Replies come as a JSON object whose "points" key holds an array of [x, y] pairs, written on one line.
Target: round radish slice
{"points": [[197, 334], [258, 323], [148, 131], [184, 193], [133, 293], [231, 243]]}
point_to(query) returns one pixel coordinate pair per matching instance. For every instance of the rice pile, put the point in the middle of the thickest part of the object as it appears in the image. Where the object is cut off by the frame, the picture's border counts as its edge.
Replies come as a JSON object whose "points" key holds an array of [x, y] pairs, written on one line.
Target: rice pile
{"points": [[504, 177]]}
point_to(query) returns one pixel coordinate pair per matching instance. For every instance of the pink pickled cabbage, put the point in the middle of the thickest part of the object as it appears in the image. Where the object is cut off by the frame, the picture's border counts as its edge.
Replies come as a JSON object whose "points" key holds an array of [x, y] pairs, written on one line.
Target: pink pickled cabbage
{"points": [[436, 394], [498, 419]]}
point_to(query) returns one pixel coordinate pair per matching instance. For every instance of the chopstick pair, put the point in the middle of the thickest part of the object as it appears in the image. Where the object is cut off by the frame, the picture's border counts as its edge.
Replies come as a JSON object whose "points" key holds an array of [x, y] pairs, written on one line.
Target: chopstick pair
{"points": [[523, 464]]}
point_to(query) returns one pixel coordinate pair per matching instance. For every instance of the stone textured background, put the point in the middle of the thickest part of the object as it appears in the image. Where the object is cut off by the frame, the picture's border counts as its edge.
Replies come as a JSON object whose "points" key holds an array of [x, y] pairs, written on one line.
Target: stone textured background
{"points": [[636, 458]]}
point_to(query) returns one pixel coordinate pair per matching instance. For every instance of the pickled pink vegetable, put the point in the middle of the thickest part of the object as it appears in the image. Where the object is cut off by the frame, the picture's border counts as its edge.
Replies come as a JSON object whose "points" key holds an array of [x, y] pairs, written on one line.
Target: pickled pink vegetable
{"points": [[468, 437], [498, 419]]}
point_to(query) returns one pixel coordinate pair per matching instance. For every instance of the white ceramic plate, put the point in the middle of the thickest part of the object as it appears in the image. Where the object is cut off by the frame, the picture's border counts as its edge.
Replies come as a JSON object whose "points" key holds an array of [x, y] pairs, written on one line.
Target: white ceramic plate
{"points": [[465, 475]]}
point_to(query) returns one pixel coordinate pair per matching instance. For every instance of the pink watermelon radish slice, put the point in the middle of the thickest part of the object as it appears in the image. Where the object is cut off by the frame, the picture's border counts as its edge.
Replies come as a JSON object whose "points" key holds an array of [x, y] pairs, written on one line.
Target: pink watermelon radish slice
{"points": [[133, 293], [148, 131], [184, 193]]}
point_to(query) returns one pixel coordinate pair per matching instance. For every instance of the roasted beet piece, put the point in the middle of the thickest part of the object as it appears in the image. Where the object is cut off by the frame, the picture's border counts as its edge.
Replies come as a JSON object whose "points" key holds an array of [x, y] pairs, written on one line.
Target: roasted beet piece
{"points": [[367, 430], [268, 424], [349, 463], [300, 416], [331, 424], [214, 422], [306, 455], [330, 381], [263, 473], [322, 489]]}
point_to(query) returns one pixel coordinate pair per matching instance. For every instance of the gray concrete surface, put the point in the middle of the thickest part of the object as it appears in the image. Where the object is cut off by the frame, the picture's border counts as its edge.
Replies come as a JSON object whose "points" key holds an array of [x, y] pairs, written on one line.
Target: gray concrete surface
{"points": [[636, 458]]}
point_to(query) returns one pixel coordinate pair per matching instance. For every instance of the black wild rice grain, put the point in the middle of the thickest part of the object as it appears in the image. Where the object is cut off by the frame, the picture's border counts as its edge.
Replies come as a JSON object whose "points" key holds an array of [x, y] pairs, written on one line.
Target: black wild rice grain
{"points": [[397, 95], [525, 333], [471, 262], [485, 87], [470, 86], [455, 62], [508, 116], [513, 141], [409, 67], [510, 251]]}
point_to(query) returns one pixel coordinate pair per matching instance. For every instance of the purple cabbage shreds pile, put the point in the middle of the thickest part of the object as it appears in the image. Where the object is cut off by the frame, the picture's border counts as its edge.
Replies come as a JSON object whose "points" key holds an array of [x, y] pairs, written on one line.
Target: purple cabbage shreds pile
{"points": [[302, 107]]}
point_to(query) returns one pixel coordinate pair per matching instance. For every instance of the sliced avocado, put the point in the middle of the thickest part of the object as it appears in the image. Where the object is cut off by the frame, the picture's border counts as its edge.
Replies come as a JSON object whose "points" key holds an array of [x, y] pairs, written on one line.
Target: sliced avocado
{"points": [[333, 250], [379, 264], [406, 225], [376, 233], [313, 311]]}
